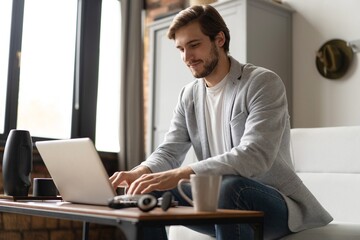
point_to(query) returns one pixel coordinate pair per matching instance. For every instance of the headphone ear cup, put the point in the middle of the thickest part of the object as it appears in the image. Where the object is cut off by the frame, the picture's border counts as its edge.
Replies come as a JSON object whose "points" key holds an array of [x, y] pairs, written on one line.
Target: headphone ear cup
{"points": [[147, 203], [167, 199]]}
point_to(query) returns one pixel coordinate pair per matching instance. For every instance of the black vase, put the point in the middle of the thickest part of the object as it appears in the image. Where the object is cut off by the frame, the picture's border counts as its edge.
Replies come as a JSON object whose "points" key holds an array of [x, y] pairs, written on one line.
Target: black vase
{"points": [[17, 163]]}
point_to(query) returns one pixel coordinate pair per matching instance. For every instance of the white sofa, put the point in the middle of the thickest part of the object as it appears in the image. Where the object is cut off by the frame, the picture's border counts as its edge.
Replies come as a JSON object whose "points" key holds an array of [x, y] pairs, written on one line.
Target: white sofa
{"points": [[328, 161]]}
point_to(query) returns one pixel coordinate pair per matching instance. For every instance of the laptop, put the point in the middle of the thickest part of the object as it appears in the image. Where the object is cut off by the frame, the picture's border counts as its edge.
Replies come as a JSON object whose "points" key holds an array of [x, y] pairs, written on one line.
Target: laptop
{"points": [[77, 170]]}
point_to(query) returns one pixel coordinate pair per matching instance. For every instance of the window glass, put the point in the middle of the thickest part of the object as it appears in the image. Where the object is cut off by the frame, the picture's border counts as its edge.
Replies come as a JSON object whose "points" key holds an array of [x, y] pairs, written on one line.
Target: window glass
{"points": [[108, 102], [5, 24], [47, 68]]}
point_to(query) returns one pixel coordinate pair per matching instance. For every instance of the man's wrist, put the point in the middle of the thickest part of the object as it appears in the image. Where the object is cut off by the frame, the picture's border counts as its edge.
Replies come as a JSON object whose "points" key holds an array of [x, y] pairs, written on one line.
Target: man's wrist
{"points": [[185, 172], [141, 169]]}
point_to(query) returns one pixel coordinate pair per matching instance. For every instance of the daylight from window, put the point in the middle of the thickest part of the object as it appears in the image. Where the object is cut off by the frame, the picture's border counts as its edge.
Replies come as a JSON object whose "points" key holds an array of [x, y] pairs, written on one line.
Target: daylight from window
{"points": [[47, 68], [5, 24], [108, 108]]}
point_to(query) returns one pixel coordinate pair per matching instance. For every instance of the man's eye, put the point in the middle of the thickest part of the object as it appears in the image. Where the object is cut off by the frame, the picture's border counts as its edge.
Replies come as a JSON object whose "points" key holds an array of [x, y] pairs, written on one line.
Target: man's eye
{"points": [[194, 45]]}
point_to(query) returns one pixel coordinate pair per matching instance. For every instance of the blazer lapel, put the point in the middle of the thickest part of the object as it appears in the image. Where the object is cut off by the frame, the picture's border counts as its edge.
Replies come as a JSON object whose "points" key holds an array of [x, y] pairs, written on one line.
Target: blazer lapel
{"points": [[199, 103], [231, 88]]}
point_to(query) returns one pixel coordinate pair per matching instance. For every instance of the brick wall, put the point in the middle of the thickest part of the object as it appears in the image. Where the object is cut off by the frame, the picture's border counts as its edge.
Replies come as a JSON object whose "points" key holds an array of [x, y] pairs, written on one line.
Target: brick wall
{"points": [[22, 227]]}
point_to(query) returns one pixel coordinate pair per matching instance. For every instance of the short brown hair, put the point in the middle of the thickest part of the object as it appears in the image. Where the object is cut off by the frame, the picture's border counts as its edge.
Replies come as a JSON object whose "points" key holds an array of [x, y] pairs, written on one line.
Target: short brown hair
{"points": [[211, 22]]}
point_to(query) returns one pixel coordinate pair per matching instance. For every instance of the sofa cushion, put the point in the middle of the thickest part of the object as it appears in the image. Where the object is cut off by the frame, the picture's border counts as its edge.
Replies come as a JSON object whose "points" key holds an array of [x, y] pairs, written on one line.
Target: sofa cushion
{"points": [[328, 149], [328, 232], [184, 233], [327, 160], [339, 193]]}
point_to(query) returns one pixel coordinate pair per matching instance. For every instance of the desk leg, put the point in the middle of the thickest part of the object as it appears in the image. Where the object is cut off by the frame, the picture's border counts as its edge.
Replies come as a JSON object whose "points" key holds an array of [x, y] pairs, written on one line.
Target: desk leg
{"points": [[85, 234]]}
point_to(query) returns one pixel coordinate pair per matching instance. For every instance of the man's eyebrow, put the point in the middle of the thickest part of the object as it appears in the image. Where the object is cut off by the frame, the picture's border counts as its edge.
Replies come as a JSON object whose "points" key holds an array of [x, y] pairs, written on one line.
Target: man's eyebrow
{"points": [[190, 42], [193, 41]]}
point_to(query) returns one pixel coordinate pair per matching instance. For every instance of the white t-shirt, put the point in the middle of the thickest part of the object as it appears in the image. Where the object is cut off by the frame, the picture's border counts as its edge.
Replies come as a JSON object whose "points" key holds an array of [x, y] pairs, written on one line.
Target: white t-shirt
{"points": [[214, 117]]}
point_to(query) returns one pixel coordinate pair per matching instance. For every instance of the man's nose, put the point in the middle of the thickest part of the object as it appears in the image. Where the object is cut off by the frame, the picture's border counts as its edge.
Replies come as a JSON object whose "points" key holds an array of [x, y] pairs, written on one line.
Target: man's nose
{"points": [[187, 55]]}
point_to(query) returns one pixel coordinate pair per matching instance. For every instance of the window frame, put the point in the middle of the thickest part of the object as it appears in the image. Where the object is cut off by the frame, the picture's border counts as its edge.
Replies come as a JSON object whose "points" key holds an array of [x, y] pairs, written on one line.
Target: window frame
{"points": [[83, 122]]}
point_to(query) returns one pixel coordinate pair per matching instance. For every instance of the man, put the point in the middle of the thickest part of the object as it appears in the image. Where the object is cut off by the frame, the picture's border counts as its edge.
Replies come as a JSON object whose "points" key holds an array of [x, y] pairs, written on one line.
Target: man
{"points": [[235, 116]]}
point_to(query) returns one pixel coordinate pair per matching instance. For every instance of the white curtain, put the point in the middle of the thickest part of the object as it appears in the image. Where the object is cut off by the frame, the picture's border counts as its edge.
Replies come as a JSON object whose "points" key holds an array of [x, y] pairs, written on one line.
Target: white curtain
{"points": [[132, 150]]}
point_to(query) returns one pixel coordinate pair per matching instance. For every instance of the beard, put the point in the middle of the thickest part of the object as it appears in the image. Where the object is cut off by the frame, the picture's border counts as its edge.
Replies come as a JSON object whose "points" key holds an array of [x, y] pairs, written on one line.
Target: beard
{"points": [[209, 64]]}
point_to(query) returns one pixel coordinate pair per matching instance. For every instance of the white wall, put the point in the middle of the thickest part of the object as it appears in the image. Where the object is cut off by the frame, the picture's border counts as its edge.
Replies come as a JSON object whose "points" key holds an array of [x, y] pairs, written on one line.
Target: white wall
{"points": [[317, 101]]}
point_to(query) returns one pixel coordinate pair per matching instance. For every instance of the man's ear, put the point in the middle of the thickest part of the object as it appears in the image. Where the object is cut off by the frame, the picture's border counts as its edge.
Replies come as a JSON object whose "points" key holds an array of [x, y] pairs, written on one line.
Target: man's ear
{"points": [[220, 39]]}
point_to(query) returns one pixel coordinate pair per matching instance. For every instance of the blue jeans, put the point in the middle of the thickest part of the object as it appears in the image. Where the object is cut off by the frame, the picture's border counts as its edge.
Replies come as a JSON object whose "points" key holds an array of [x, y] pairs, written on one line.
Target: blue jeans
{"points": [[245, 194]]}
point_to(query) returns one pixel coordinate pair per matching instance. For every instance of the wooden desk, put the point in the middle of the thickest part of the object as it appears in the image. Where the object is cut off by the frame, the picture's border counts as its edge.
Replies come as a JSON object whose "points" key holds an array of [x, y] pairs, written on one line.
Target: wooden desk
{"points": [[131, 220]]}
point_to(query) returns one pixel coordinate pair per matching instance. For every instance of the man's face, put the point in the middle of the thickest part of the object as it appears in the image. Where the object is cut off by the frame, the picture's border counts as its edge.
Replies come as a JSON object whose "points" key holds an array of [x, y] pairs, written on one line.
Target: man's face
{"points": [[198, 52]]}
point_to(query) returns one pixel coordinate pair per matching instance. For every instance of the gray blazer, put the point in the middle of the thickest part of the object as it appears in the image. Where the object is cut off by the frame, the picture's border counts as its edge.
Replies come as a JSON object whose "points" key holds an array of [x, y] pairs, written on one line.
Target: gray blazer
{"points": [[257, 135]]}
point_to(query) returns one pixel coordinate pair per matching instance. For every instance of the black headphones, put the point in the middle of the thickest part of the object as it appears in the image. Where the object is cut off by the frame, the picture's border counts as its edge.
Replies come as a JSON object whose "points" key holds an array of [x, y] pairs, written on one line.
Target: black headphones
{"points": [[148, 202], [145, 203]]}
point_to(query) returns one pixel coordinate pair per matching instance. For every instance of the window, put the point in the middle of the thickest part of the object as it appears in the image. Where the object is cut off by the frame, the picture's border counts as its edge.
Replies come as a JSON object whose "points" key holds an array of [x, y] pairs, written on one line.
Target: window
{"points": [[108, 103], [47, 68], [68, 82]]}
